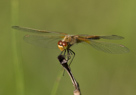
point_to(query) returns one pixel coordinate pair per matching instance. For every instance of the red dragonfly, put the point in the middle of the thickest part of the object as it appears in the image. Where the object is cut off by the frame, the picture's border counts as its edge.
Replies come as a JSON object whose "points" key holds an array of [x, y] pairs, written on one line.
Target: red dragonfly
{"points": [[42, 38]]}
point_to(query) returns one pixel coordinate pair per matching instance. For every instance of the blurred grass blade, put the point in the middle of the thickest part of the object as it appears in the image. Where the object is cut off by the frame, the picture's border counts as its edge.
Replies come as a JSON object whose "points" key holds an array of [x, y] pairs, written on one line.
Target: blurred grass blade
{"points": [[57, 82], [19, 80]]}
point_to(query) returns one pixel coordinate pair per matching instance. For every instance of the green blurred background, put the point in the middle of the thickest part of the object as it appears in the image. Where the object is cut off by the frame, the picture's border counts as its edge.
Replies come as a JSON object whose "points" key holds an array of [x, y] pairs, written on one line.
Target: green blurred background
{"points": [[30, 70]]}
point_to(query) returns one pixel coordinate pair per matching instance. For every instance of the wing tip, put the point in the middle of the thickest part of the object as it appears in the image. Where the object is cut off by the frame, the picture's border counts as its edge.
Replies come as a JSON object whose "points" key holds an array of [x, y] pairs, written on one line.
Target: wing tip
{"points": [[119, 37], [15, 27]]}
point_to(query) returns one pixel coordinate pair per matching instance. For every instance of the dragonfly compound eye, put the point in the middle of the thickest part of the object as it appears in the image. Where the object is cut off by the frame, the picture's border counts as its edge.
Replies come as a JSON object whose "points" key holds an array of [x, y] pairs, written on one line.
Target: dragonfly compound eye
{"points": [[62, 45]]}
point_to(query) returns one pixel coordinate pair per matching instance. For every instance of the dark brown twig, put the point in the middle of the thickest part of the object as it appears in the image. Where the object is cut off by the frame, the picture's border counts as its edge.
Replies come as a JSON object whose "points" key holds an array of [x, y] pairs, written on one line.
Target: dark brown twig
{"points": [[63, 62]]}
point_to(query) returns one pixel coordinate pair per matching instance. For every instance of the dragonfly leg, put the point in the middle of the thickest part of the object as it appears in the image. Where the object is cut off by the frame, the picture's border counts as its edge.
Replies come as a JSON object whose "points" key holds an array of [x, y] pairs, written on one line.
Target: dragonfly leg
{"points": [[63, 53], [68, 54], [71, 53]]}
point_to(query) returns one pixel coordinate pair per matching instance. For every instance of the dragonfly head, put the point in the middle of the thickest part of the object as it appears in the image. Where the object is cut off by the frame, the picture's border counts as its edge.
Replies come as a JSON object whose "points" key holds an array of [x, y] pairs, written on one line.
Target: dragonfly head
{"points": [[62, 45]]}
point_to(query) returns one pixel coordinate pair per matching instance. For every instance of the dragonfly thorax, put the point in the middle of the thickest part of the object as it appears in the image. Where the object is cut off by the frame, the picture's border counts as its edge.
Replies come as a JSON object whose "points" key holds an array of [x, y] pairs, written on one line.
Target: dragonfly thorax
{"points": [[70, 39]]}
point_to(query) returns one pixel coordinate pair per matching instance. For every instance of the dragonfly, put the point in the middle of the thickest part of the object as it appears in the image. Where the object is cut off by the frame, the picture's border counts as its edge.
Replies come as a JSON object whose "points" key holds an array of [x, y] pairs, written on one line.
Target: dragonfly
{"points": [[65, 41]]}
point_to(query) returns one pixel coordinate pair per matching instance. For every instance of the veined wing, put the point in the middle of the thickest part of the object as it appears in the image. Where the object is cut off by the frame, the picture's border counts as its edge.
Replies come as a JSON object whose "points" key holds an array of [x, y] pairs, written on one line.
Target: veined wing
{"points": [[104, 46], [111, 37], [87, 38], [43, 40], [35, 30], [109, 47]]}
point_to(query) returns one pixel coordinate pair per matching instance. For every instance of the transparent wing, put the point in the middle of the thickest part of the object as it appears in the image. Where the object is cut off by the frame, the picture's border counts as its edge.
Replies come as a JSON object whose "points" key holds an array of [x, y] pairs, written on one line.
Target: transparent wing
{"points": [[35, 30], [111, 37], [109, 47], [43, 40]]}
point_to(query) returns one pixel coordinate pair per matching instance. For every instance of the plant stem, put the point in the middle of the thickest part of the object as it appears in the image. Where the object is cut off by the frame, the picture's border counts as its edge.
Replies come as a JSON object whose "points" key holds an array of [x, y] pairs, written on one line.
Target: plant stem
{"points": [[19, 79]]}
